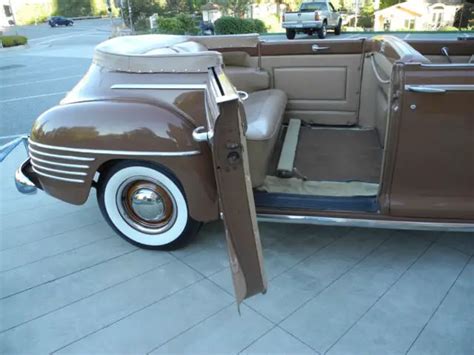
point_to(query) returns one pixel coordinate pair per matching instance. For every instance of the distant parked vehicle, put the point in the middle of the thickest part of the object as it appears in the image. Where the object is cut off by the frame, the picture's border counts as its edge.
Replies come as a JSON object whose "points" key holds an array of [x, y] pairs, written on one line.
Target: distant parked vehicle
{"points": [[317, 16], [60, 21]]}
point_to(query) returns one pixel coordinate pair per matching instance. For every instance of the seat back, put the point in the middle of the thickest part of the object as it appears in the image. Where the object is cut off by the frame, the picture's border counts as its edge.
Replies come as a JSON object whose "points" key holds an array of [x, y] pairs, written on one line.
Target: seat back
{"points": [[381, 53]]}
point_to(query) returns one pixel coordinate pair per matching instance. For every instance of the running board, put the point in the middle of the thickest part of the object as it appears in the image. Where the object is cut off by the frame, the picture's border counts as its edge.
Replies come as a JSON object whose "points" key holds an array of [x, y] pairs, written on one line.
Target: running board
{"points": [[367, 223], [316, 203], [288, 151]]}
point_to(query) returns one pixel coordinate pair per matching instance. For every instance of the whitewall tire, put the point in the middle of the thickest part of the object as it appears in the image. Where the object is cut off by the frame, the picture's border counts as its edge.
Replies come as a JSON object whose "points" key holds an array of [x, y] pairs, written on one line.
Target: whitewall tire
{"points": [[146, 205]]}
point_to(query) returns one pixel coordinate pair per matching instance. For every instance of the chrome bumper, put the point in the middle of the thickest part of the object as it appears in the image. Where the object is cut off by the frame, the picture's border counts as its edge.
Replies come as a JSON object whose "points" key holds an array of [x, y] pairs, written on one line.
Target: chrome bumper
{"points": [[22, 182], [303, 25]]}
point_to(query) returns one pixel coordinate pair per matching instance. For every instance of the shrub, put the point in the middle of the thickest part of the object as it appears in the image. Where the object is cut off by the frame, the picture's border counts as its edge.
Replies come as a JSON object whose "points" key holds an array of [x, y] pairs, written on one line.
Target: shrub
{"points": [[260, 26], [448, 28], [11, 41], [71, 8], [228, 25], [179, 25]]}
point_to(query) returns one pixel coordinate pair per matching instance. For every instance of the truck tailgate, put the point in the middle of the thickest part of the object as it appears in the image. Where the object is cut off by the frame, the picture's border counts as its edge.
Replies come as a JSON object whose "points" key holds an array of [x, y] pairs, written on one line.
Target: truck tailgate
{"points": [[298, 16]]}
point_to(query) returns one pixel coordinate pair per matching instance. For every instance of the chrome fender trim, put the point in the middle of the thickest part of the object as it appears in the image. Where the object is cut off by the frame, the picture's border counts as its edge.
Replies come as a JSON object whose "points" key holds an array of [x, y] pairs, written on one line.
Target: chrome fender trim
{"points": [[108, 152], [367, 223]]}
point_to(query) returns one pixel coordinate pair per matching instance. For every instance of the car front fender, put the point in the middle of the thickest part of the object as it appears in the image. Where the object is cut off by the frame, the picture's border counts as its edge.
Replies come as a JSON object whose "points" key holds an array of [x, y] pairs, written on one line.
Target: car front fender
{"points": [[70, 143]]}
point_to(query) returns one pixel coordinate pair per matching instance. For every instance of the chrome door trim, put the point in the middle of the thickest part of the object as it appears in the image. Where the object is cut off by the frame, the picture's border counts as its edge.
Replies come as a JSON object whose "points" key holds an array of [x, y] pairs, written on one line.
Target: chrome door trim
{"points": [[367, 223], [439, 88], [113, 152], [448, 66]]}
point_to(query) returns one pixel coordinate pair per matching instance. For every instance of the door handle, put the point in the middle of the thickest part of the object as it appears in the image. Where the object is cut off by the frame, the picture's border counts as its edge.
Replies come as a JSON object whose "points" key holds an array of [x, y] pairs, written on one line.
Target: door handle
{"points": [[201, 135], [425, 89], [316, 48]]}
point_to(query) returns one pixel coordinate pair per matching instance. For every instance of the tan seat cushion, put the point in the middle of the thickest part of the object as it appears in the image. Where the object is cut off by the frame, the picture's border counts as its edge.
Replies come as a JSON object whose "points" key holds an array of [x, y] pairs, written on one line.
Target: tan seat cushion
{"points": [[248, 79], [264, 111]]}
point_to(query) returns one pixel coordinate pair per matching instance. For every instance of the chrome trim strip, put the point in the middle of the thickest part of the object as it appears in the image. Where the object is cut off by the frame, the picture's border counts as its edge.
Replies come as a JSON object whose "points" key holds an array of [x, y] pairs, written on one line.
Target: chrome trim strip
{"points": [[76, 166], [445, 87], [80, 173], [117, 152], [159, 86], [57, 177], [447, 66], [70, 157], [367, 223]]}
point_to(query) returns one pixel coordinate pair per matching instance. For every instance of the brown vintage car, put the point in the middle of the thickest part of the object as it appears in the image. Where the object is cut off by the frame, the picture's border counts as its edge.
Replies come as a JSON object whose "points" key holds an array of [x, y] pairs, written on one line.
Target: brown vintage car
{"points": [[175, 131]]}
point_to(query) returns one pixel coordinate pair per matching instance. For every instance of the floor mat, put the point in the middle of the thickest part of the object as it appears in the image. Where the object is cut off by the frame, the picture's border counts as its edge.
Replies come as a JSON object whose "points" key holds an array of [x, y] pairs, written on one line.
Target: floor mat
{"points": [[339, 155]]}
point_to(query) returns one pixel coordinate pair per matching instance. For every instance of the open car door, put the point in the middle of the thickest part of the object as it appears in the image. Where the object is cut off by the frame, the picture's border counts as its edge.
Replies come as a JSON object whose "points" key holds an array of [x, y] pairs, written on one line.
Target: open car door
{"points": [[226, 136]]}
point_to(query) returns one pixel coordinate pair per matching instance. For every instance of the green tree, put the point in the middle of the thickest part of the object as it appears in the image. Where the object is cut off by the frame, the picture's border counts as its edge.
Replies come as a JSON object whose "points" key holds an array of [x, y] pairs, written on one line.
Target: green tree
{"points": [[388, 3], [464, 16], [343, 5], [237, 8], [73, 7], [175, 7], [141, 10], [366, 18]]}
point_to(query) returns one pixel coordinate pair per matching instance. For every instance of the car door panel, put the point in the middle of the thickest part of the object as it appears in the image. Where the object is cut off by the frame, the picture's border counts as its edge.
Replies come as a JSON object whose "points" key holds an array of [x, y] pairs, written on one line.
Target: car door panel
{"points": [[322, 82], [231, 167], [432, 174]]}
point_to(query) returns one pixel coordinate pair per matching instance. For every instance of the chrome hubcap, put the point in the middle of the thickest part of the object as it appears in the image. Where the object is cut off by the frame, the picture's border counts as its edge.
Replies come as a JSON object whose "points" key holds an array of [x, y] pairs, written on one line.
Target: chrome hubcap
{"points": [[146, 205]]}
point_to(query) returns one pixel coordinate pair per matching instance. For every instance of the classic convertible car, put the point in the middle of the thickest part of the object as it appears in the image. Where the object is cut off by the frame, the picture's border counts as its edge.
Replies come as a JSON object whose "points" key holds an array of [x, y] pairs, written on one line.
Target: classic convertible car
{"points": [[174, 131]]}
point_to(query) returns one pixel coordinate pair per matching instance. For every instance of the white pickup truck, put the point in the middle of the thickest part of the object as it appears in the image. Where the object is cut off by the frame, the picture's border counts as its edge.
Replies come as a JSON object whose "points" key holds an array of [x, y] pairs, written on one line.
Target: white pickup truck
{"points": [[314, 16]]}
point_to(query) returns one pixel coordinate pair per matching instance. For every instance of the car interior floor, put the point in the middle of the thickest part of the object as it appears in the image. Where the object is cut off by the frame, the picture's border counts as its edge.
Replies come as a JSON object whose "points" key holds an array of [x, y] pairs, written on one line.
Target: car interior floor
{"points": [[339, 154], [329, 161]]}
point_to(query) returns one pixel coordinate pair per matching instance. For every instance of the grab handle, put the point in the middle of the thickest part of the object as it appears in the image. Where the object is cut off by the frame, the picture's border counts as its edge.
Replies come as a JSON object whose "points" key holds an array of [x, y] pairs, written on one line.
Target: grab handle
{"points": [[201, 135], [317, 48]]}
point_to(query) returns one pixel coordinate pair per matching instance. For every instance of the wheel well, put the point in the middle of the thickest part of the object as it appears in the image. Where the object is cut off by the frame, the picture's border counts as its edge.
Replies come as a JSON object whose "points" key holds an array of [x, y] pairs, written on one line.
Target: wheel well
{"points": [[105, 166]]}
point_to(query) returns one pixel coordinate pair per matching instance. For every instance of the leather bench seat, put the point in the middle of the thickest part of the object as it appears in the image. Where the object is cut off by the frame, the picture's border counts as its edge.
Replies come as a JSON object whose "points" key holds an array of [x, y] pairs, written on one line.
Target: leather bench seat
{"points": [[264, 112]]}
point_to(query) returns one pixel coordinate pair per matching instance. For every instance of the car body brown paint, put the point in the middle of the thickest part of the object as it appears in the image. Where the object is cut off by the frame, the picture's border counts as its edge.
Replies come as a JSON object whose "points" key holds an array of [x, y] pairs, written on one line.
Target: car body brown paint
{"points": [[179, 112], [87, 125], [433, 175]]}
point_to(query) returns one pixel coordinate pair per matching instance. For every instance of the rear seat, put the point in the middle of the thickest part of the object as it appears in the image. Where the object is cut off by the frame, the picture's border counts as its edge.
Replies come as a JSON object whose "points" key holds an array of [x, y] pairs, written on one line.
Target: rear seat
{"points": [[264, 112]]}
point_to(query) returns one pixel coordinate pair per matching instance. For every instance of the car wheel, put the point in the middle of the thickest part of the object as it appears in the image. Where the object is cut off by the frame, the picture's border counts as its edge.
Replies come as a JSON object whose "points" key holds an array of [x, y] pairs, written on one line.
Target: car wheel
{"points": [[290, 34], [323, 31], [338, 28], [146, 205]]}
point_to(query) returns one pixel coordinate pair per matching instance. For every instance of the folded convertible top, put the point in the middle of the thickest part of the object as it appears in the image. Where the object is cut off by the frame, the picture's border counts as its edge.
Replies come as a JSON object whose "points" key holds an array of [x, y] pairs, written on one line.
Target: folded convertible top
{"points": [[166, 53]]}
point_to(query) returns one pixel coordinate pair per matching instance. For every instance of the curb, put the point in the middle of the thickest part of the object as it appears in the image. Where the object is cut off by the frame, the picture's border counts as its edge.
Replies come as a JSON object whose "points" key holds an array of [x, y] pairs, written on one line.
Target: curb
{"points": [[85, 18], [14, 48]]}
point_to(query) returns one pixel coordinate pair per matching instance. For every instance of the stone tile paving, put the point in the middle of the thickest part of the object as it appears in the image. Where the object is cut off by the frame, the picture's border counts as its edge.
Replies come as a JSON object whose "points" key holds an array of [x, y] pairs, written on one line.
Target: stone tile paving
{"points": [[68, 284]]}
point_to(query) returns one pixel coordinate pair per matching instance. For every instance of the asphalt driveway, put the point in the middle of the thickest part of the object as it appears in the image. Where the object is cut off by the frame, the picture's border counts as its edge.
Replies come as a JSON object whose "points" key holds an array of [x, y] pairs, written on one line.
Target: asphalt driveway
{"points": [[68, 284]]}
